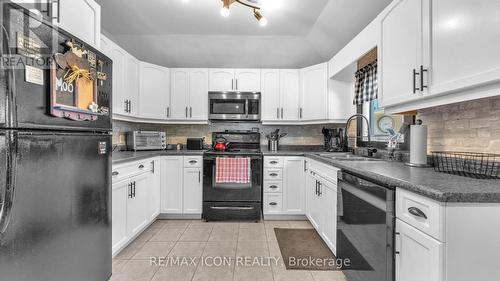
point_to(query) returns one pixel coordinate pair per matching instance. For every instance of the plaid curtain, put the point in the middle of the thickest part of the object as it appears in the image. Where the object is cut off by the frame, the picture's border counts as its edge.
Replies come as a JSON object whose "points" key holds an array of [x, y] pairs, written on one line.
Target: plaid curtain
{"points": [[366, 86]]}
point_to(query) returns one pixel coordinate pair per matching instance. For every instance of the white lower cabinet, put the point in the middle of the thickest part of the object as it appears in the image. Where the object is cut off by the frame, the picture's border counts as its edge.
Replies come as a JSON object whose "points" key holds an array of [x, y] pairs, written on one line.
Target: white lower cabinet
{"points": [[284, 190], [135, 200], [419, 257], [181, 185], [119, 199], [172, 169], [193, 191], [137, 204], [321, 201]]}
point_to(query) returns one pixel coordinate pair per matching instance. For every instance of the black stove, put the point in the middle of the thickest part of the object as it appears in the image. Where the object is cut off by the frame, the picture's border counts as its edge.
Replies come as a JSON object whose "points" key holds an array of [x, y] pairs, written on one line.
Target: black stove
{"points": [[233, 201]]}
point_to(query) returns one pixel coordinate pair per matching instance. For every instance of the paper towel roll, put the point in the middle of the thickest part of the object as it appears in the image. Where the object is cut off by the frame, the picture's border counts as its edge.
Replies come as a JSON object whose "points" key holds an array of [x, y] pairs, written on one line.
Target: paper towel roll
{"points": [[418, 144]]}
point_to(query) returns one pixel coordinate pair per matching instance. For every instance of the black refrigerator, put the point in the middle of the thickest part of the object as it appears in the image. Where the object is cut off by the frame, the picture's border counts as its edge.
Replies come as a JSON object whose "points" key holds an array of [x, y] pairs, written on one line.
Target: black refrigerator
{"points": [[55, 153]]}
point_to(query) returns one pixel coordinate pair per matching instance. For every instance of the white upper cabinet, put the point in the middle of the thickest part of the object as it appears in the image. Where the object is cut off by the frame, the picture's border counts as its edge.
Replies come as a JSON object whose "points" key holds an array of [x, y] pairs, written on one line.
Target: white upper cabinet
{"points": [[401, 52], [438, 48], [314, 93], [198, 94], [189, 94], [243, 80], [465, 44], [81, 18], [289, 94], [270, 94], [154, 94], [280, 94], [247, 80], [221, 80], [119, 57], [132, 84], [179, 93]]}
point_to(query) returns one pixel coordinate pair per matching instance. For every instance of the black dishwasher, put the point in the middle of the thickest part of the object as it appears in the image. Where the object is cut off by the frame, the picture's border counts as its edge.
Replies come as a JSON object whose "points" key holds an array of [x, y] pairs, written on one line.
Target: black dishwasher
{"points": [[365, 228]]}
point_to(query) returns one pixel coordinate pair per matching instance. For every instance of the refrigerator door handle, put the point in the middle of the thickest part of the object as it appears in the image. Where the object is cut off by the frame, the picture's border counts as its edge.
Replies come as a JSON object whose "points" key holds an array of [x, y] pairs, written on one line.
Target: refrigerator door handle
{"points": [[7, 196]]}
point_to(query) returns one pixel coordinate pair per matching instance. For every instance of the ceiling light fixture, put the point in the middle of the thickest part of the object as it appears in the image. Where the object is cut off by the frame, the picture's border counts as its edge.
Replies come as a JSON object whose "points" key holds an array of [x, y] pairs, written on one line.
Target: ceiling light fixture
{"points": [[254, 4]]}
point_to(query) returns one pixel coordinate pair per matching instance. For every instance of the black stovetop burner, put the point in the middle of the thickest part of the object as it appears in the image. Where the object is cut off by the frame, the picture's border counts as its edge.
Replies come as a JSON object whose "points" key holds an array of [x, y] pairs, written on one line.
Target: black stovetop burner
{"points": [[240, 142]]}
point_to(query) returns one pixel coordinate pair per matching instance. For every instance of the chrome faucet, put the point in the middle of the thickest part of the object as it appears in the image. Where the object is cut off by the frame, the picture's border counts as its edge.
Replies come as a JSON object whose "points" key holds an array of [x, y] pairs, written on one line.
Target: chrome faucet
{"points": [[371, 150]]}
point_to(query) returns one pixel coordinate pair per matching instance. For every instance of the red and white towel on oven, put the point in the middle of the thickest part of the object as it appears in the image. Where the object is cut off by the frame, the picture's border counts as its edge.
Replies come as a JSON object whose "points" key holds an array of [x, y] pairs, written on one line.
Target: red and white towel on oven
{"points": [[232, 170]]}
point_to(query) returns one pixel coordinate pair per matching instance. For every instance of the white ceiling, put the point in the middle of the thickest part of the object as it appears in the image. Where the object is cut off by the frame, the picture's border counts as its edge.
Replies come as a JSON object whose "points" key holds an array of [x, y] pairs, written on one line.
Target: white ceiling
{"points": [[178, 33]]}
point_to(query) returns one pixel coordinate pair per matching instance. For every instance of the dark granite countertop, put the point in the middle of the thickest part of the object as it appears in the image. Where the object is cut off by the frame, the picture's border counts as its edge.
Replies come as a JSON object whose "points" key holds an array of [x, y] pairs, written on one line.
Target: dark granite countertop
{"points": [[127, 156], [293, 150], [424, 181]]}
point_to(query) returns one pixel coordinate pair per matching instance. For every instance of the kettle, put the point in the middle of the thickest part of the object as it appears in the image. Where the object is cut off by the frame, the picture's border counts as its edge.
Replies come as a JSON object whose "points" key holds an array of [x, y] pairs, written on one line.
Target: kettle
{"points": [[221, 144]]}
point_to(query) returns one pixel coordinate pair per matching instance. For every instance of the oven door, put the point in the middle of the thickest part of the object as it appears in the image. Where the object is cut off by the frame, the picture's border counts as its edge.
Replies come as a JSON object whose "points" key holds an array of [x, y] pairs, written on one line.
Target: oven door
{"points": [[232, 192]]}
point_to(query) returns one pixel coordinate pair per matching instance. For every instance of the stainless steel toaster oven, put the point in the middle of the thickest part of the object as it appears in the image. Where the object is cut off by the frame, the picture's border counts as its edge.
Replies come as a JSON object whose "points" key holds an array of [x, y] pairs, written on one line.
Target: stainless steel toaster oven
{"points": [[146, 140]]}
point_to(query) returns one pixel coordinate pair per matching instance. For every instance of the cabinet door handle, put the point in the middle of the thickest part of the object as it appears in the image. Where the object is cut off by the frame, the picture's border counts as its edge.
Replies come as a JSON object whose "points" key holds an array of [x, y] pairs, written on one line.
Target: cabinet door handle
{"points": [[199, 176], [316, 187], [190, 112], [153, 167], [415, 74], [300, 113], [320, 188], [168, 112], [422, 70], [278, 112], [417, 212], [273, 203], [273, 186], [305, 165], [193, 162], [126, 105], [273, 174], [129, 186], [141, 166], [186, 112], [115, 173], [282, 113], [232, 84], [236, 84], [273, 162], [134, 189]]}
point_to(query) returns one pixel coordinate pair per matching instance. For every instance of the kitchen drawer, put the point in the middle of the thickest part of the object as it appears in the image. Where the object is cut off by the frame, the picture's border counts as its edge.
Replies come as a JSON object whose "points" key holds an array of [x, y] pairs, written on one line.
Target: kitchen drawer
{"points": [[193, 161], [127, 170], [273, 203], [327, 172], [421, 212], [273, 162], [273, 186], [273, 174]]}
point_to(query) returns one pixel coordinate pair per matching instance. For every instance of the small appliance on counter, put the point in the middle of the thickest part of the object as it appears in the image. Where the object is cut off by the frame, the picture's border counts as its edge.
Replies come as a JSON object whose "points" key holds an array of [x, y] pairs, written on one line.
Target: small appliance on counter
{"points": [[273, 140], [195, 143], [418, 145], [146, 140], [334, 139]]}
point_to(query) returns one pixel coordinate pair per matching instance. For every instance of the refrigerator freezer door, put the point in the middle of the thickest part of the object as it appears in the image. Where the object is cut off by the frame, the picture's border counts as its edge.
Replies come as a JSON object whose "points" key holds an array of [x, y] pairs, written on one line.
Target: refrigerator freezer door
{"points": [[60, 220], [29, 90]]}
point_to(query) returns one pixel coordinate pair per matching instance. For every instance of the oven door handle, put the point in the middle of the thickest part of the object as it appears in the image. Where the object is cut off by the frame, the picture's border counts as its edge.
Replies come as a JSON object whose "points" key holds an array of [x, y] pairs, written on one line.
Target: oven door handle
{"points": [[232, 208]]}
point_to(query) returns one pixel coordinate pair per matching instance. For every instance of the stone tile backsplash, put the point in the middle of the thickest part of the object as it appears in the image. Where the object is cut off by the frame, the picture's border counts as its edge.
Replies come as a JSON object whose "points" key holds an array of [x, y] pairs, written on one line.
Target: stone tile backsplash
{"points": [[297, 134], [468, 126]]}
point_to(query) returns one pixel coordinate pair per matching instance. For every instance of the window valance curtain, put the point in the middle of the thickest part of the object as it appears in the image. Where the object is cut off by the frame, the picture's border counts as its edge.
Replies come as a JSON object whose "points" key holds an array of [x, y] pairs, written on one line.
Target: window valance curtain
{"points": [[366, 85]]}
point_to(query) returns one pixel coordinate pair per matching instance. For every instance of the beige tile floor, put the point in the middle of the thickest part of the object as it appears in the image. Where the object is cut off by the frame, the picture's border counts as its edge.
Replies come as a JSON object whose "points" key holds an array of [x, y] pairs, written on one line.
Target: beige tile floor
{"points": [[197, 239]]}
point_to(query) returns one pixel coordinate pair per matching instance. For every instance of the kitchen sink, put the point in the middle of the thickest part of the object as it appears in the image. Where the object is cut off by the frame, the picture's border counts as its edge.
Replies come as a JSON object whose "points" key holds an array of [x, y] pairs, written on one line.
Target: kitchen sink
{"points": [[347, 157]]}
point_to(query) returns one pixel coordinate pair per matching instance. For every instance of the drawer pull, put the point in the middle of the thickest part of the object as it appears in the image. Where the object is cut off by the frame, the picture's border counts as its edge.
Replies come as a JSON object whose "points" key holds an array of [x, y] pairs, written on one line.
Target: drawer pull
{"points": [[274, 162], [417, 212], [273, 174], [193, 162], [141, 166], [273, 186], [273, 203], [115, 173]]}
